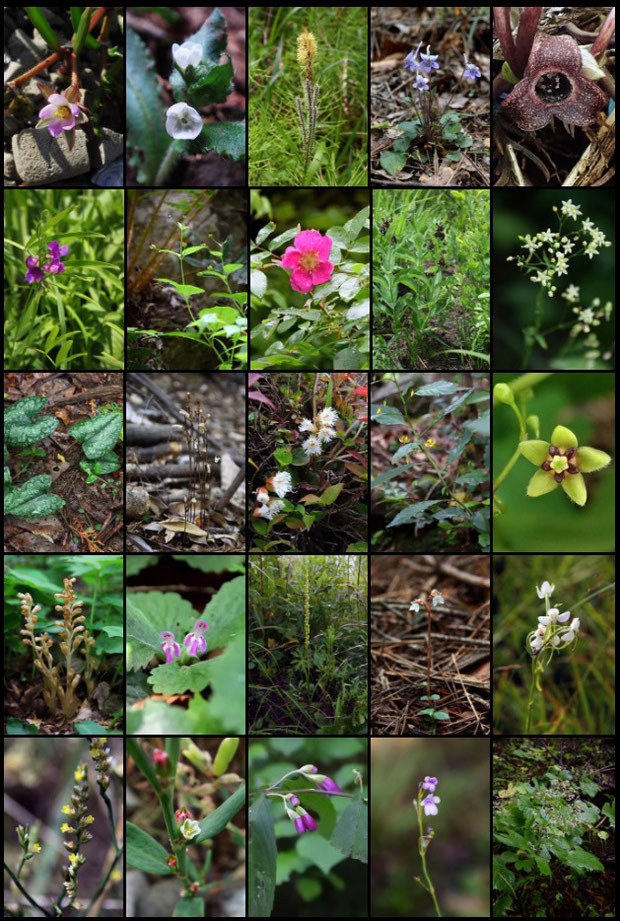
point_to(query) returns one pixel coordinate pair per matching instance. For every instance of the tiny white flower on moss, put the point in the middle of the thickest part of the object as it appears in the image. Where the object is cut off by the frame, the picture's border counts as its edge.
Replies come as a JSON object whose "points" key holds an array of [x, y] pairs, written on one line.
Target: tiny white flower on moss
{"points": [[182, 122]]}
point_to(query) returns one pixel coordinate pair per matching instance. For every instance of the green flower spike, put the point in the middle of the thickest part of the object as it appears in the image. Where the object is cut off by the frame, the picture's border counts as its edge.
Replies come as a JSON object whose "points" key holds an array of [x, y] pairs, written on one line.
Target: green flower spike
{"points": [[562, 463]]}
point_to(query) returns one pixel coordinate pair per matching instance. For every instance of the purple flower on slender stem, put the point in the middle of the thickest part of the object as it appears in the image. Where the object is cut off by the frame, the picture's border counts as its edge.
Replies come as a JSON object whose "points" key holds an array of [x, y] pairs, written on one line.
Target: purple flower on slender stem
{"points": [[60, 114], [34, 273], [302, 820], [170, 647], [421, 83], [195, 641], [429, 61], [321, 780], [471, 71], [429, 804], [411, 61], [429, 783]]}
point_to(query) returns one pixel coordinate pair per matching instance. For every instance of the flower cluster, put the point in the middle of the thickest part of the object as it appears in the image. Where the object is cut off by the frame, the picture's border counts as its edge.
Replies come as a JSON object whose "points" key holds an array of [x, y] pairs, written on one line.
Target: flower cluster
{"points": [[309, 260], [183, 122], [194, 640], [301, 819], [100, 754], [53, 264], [320, 430], [553, 250], [266, 506], [429, 803], [552, 630], [562, 463], [419, 64], [436, 601], [77, 825], [587, 318]]}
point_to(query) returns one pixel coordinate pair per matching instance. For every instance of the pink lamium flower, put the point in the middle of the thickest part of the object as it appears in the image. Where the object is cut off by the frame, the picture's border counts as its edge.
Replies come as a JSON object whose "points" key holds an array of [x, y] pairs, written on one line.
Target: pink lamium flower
{"points": [[170, 647], [195, 640], [61, 115], [309, 260], [34, 273]]}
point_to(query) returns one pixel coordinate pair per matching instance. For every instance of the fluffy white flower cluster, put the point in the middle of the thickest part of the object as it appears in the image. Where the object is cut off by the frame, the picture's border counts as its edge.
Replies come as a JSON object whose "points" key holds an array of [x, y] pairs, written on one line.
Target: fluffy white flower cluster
{"points": [[550, 633], [280, 483], [552, 260], [321, 430]]}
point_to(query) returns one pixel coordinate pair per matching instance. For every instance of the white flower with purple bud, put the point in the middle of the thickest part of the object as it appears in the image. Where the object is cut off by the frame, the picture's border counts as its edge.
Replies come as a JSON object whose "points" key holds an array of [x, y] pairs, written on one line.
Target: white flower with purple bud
{"points": [[170, 646], [195, 640]]}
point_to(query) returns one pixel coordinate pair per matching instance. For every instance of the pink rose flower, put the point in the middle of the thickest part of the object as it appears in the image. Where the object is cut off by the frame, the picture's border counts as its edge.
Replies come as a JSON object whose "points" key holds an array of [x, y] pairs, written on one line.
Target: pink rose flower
{"points": [[61, 115], [309, 260]]}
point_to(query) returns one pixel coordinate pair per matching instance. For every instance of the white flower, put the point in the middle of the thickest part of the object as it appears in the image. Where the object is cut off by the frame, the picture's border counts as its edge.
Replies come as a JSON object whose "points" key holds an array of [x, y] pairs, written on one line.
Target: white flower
{"points": [[270, 509], [327, 417], [263, 511], [587, 224], [282, 483], [262, 495], [183, 122], [189, 829], [537, 639], [572, 631], [531, 244], [312, 445], [547, 236], [415, 606], [570, 209], [306, 425], [553, 616], [545, 589], [437, 598], [186, 54], [571, 294], [326, 434]]}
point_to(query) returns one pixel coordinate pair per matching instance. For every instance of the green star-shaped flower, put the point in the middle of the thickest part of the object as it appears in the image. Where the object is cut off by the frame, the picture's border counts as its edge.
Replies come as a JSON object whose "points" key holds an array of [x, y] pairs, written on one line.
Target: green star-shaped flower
{"points": [[562, 463]]}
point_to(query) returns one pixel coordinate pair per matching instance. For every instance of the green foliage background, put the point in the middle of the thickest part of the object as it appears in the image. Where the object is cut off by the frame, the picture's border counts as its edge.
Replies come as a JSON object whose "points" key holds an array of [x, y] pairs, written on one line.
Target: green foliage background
{"points": [[579, 684], [584, 402], [81, 323], [314, 878], [458, 856]]}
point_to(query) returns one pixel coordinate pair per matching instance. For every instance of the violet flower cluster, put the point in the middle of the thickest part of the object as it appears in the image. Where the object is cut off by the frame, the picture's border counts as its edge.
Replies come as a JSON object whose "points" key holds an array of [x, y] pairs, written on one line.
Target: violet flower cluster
{"points": [[419, 63], [35, 272], [429, 803], [194, 640], [301, 819]]}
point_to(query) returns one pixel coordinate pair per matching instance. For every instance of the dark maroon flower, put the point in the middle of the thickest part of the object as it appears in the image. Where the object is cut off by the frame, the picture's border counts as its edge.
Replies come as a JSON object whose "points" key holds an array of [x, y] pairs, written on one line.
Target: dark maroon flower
{"points": [[553, 85]]}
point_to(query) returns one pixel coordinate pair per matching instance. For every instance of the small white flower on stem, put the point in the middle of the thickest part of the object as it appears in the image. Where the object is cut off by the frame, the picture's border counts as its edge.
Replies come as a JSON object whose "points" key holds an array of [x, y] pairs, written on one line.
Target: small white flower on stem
{"points": [[545, 589], [186, 54], [553, 616], [572, 631]]}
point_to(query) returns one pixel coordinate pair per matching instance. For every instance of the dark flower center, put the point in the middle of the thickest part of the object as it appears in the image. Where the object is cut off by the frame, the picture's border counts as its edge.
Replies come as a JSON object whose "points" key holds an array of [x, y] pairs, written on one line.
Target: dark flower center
{"points": [[559, 462], [553, 87]]}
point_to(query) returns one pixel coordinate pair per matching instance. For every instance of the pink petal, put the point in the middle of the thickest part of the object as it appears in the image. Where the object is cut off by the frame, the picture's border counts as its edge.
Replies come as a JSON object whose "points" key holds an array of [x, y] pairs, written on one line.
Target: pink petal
{"points": [[301, 281], [57, 100], [322, 273], [308, 240], [54, 128], [75, 110], [290, 259], [324, 248], [68, 124], [47, 112]]}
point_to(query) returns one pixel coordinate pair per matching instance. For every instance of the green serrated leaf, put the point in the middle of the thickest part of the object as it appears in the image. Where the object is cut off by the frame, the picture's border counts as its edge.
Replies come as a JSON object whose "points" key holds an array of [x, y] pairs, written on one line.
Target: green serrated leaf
{"points": [[146, 116], [412, 512], [224, 138], [350, 836]]}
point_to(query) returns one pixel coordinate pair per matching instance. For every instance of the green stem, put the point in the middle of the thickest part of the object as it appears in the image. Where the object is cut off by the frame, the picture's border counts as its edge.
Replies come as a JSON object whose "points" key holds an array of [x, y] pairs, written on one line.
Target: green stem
{"points": [[422, 850], [530, 705], [104, 882], [24, 893], [513, 460]]}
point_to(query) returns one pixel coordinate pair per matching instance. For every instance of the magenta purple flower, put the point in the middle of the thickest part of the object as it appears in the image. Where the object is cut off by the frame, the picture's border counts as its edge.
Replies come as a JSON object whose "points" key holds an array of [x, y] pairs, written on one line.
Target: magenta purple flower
{"points": [[170, 647], [321, 780], [195, 640], [53, 264]]}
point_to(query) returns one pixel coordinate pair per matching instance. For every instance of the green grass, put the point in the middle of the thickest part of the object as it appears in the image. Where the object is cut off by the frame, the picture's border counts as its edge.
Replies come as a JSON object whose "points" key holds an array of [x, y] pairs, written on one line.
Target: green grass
{"points": [[578, 685], [74, 320], [276, 81]]}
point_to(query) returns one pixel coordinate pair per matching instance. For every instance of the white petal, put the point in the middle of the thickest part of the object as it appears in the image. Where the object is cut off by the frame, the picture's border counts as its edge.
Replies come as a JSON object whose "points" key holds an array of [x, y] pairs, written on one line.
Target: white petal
{"points": [[568, 637], [564, 617], [544, 619]]}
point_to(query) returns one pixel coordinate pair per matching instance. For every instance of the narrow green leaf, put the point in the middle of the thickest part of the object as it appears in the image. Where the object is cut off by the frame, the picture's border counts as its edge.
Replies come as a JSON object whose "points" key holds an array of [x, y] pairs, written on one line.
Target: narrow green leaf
{"points": [[144, 852], [263, 855], [38, 19], [218, 820], [189, 907]]}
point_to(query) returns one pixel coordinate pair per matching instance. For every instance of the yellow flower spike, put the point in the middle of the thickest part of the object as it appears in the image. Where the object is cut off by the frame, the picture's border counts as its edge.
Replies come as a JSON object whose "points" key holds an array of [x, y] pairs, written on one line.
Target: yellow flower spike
{"points": [[36, 848], [562, 462], [66, 829], [67, 810], [79, 774], [89, 820], [73, 859]]}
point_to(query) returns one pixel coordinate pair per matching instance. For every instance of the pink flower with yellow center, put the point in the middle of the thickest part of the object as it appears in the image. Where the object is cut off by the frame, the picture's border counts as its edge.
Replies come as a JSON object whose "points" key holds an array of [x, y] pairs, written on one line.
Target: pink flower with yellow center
{"points": [[61, 115], [309, 260]]}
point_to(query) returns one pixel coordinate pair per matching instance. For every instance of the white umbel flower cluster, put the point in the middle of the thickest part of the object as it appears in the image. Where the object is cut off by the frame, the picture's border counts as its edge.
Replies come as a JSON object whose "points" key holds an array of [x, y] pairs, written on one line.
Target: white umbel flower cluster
{"points": [[321, 430]]}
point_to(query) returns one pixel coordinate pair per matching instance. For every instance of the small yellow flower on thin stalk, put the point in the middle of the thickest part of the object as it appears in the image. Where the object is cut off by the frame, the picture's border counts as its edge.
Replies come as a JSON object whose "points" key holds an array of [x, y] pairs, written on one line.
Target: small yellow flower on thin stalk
{"points": [[429, 443]]}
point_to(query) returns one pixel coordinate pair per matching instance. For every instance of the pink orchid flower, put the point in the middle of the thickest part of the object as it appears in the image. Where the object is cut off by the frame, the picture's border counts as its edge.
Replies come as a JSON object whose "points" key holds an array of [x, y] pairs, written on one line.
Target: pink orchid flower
{"points": [[309, 260]]}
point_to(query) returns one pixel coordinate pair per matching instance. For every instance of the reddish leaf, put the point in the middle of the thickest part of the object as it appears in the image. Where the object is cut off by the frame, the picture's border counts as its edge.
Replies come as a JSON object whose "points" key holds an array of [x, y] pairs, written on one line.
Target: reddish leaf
{"points": [[260, 398]]}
